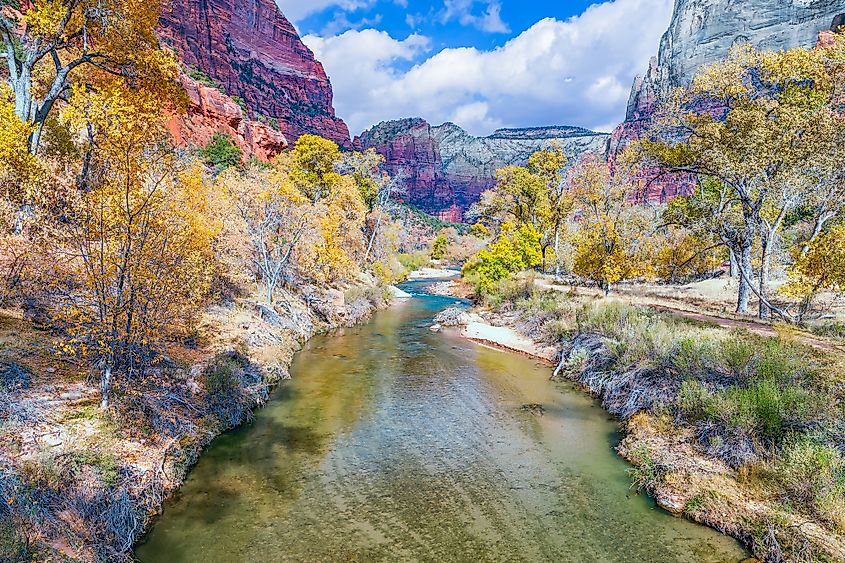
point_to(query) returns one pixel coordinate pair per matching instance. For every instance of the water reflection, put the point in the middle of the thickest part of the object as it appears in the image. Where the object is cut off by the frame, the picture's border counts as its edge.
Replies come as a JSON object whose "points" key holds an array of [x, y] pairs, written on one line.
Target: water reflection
{"points": [[395, 443]]}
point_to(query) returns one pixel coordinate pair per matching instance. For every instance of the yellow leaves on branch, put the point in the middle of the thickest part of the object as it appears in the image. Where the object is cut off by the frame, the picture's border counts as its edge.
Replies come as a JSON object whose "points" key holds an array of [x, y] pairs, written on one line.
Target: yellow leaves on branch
{"points": [[18, 168], [45, 17], [820, 268]]}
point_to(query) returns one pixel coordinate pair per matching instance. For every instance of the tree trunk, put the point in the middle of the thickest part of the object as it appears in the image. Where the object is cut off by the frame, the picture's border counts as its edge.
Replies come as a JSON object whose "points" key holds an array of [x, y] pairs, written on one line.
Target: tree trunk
{"points": [[744, 293], [734, 272], [105, 386], [557, 251], [764, 313]]}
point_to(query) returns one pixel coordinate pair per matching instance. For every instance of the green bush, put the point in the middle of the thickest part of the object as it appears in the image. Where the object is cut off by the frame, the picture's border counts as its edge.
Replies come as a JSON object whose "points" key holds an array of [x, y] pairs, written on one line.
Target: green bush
{"points": [[830, 330], [647, 473], [763, 410], [415, 261], [439, 247], [737, 354], [221, 152], [14, 545], [694, 355], [221, 378], [241, 103], [514, 251], [813, 475], [511, 291], [105, 463]]}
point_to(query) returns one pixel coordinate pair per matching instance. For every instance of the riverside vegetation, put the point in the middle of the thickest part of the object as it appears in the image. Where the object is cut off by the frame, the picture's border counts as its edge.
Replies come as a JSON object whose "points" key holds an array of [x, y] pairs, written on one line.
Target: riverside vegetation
{"points": [[151, 294], [737, 431]]}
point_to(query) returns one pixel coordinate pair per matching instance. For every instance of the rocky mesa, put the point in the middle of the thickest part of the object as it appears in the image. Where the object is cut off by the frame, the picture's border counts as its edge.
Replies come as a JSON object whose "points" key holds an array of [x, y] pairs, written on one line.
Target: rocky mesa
{"points": [[445, 169], [254, 54]]}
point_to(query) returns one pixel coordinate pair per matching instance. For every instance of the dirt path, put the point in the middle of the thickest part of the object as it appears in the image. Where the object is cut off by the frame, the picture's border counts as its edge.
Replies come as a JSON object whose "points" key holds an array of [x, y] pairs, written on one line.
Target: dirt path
{"points": [[667, 305]]}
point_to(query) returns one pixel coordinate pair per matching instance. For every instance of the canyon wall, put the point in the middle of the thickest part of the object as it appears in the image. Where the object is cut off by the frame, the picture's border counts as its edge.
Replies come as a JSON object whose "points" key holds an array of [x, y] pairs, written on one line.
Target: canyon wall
{"points": [[210, 111], [254, 53], [444, 169]]}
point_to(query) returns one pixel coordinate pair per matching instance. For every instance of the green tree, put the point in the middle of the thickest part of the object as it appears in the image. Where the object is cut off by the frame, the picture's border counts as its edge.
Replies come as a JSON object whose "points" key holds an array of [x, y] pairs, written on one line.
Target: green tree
{"points": [[221, 152], [515, 250], [439, 247]]}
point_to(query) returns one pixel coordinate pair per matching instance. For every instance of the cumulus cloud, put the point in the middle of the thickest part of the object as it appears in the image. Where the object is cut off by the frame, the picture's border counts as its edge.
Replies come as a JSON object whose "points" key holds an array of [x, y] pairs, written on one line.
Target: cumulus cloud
{"points": [[489, 20], [575, 72]]}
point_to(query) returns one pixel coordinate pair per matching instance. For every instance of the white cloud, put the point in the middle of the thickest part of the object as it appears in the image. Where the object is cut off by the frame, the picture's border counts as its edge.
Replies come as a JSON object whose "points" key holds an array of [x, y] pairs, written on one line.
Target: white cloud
{"points": [[489, 20], [574, 72]]}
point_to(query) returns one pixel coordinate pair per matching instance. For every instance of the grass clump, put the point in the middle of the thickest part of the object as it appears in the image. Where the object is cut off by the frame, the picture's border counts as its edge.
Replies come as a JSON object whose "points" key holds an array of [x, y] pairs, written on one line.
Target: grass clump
{"points": [[105, 464], [647, 473], [813, 475]]}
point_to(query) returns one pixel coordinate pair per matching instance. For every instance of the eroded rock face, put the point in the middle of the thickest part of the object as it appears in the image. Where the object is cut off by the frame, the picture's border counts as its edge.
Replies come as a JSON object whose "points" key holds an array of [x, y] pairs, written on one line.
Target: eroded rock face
{"points": [[210, 111], [703, 32], [254, 52], [445, 169]]}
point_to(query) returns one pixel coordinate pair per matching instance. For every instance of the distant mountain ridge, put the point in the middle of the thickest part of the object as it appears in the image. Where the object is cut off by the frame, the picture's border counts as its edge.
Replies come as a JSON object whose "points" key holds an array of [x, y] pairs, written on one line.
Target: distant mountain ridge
{"points": [[445, 169]]}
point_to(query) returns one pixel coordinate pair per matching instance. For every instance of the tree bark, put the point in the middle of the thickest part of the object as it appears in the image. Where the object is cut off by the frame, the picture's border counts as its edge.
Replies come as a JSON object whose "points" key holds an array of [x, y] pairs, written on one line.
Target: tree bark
{"points": [[105, 386], [744, 293]]}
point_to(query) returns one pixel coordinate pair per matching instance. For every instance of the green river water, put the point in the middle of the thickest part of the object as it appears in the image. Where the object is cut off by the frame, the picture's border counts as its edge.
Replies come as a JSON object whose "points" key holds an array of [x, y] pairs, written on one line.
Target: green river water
{"points": [[394, 443]]}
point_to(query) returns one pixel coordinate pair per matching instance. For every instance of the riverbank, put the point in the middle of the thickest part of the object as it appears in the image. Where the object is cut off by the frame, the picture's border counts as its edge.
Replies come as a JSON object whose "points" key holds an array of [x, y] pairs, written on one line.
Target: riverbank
{"points": [[732, 430], [82, 484]]}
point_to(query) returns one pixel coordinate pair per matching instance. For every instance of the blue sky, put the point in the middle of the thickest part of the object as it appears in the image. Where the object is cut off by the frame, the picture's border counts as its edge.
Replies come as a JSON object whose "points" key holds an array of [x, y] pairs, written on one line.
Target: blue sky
{"points": [[482, 64]]}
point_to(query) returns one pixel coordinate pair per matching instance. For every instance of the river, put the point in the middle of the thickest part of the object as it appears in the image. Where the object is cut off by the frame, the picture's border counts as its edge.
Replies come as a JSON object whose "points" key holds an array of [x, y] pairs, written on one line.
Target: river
{"points": [[394, 443]]}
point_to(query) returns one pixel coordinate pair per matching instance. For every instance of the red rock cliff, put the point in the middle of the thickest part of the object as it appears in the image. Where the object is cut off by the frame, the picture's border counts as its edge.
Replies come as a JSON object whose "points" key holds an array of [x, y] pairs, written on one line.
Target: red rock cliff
{"points": [[254, 52]]}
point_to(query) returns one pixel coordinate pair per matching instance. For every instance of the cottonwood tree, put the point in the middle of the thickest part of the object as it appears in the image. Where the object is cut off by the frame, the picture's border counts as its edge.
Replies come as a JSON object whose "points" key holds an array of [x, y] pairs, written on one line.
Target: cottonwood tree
{"points": [[754, 122], [50, 44], [378, 191], [612, 237], [551, 166], [819, 268], [274, 218]]}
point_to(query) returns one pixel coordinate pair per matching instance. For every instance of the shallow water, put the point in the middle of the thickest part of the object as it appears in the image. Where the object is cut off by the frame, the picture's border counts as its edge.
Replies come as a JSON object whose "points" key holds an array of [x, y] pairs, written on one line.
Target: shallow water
{"points": [[395, 443]]}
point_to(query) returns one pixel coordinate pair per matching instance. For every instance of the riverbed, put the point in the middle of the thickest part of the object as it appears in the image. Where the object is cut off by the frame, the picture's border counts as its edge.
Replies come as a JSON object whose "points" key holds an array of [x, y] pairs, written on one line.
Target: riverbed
{"points": [[393, 442]]}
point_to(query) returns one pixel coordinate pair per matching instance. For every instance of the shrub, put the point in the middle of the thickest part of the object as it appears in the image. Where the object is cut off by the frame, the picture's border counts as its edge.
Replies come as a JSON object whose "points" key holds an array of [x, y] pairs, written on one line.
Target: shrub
{"points": [[647, 473], [694, 355], [511, 291], [782, 361], [830, 330], [225, 381], [221, 152], [516, 249], [241, 103], [737, 354], [813, 475], [106, 465], [415, 261]]}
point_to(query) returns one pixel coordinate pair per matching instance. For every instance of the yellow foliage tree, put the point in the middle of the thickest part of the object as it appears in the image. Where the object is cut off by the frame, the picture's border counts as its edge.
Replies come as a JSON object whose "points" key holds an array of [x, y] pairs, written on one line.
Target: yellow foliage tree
{"points": [[611, 243], [51, 44], [136, 249], [820, 268]]}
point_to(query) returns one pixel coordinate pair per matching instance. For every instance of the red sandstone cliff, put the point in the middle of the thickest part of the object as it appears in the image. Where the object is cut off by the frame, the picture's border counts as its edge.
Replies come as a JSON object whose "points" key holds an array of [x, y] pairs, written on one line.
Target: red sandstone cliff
{"points": [[254, 52], [210, 111]]}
